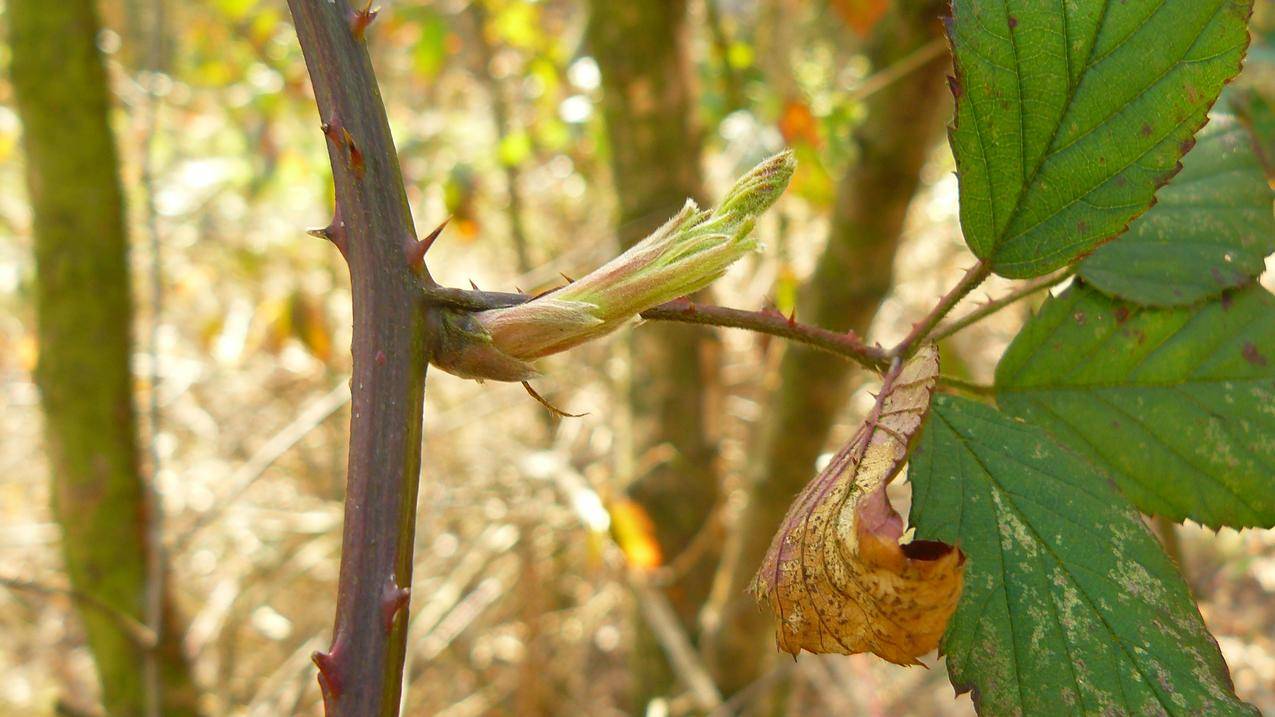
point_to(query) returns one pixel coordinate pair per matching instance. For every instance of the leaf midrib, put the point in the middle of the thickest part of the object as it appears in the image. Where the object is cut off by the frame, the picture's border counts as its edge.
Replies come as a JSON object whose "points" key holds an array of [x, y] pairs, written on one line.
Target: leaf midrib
{"points": [[1001, 238]]}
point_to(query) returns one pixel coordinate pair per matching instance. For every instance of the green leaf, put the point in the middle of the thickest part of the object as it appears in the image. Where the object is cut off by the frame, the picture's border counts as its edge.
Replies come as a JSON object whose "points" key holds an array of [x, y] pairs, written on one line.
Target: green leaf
{"points": [[514, 148], [1252, 97], [429, 54], [1178, 405], [1070, 607], [1210, 229], [1070, 114], [1257, 112]]}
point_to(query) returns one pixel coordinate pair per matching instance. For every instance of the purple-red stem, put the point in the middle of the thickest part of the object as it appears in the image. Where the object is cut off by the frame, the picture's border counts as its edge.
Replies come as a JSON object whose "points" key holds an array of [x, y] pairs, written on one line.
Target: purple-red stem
{"points": [[846, 345], [974, 276], [361, 674]]}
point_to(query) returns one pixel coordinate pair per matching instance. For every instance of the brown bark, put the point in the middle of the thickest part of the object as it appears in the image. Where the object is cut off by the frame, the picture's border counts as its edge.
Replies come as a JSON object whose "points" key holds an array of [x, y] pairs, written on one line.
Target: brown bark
{"points": [[361, 674], [84, 312], [851, 278], [649, 104]]}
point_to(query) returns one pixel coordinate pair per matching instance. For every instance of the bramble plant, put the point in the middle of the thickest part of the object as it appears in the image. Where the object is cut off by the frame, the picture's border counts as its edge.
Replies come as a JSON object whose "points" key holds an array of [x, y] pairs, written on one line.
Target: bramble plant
{"points": [[1146, 386]]}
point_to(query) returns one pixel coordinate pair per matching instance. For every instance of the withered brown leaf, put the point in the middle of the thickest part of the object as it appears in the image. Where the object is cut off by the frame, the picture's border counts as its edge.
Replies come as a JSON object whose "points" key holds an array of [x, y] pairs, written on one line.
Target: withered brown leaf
{"points": [[836, 577]]}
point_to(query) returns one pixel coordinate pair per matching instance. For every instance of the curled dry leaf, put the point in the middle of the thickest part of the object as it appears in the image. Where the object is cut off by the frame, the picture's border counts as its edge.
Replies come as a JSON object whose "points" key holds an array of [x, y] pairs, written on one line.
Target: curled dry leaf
{"points": [[836, 576]]}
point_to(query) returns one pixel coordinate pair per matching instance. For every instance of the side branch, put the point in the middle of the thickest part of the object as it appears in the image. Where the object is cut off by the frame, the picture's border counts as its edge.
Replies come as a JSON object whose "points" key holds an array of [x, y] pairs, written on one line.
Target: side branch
{"points": [[1040, 283], [467, 300], [846, 345], [974, 276]]}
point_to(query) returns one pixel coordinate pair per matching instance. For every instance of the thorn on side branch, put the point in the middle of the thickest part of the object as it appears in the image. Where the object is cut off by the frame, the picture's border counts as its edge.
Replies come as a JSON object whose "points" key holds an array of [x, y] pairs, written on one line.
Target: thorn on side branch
{"points": [[356, 155], [333, 130], [415, 251], [334, 232], [393, 599], [428, 241], [546, 292], [360, 19], [330, 682], [552, 408]]}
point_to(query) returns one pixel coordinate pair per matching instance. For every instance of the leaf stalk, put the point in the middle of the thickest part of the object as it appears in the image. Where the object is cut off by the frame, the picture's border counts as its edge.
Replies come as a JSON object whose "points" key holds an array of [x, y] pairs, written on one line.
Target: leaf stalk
{"points": [[974, 276]]}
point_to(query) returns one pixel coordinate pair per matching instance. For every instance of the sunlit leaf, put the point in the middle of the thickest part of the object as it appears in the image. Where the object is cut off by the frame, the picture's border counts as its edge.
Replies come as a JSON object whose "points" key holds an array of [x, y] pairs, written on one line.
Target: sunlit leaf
{"points": [[431, 48], [741, 55], [27, 352], [836, 577], [784, 290], [1070, 605], [235, 9], [634, 532], [1071, 114], [798, 124], [861, 15], [517, 24], [309, 324], [514, 148], [459, 196], [1177, 405], [812, 182]]}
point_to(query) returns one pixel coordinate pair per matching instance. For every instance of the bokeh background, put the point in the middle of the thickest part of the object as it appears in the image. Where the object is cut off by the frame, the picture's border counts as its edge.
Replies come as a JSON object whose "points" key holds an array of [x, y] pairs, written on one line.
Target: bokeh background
{"points": [[586, 566]]}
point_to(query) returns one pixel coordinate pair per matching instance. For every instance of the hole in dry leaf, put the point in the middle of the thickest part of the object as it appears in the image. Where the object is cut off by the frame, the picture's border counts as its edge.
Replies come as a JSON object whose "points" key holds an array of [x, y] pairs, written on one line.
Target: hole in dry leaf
{"points": [[926, 549]]}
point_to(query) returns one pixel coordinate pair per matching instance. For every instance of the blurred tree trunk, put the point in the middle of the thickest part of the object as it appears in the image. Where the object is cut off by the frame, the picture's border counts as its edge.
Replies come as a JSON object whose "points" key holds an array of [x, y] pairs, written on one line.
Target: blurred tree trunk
{"points": [[649, 104], [502, 114], [851, 278], [84, 312]]}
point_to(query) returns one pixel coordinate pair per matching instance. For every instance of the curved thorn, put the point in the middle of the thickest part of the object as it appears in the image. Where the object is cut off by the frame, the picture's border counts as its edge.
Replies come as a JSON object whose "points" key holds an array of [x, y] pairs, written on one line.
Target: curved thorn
{"points": [[552, 408]]}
